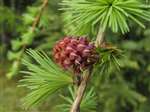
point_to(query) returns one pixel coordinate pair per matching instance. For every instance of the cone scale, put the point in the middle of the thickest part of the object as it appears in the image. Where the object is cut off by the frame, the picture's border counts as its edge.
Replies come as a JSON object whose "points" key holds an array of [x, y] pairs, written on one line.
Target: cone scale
{"points": [[75, 53]]}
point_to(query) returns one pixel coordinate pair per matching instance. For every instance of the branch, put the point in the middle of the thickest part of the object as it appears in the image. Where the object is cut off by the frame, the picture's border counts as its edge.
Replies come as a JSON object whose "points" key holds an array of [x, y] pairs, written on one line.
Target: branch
{"points": [[37, 19], [100, 38], [81, 91], [82, 87], [35, 23]]}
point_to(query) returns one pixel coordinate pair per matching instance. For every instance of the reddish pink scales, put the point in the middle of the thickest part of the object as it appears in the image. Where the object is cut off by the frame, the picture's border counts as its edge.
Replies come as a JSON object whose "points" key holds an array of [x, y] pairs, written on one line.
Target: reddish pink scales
{"points": [[75, 53]]}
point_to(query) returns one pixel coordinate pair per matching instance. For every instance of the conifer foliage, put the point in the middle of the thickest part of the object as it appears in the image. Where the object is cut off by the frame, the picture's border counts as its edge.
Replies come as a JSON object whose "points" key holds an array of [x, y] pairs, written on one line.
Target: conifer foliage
{"points": [[45, 77], [113, 14]]}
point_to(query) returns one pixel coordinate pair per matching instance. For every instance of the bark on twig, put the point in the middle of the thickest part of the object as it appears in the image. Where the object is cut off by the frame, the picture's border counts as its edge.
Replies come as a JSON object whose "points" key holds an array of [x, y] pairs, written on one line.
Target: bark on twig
{"points": [[37, 19], [100, 38], [80, 92], [82, 87], [34, 25]]}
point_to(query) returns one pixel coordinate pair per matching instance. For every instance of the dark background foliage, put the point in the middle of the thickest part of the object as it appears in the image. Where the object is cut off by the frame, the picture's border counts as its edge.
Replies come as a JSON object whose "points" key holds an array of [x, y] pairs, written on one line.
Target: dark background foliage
{"points": [[129, 94]]}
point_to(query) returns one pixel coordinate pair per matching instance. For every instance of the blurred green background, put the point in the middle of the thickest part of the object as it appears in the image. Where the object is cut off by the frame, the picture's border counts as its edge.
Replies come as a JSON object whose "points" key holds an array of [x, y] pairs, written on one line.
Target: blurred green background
{"points": [[16, 19]]}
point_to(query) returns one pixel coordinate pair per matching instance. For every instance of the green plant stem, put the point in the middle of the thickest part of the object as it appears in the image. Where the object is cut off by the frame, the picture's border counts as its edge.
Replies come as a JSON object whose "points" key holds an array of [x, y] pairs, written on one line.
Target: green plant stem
{"points": [[100, 38]]}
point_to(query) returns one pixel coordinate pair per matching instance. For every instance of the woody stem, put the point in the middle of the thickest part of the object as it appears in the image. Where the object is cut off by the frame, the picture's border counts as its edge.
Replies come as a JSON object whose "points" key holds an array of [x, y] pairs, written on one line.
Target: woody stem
{"points": [[86, 76], [80, 92], [100, 38]]}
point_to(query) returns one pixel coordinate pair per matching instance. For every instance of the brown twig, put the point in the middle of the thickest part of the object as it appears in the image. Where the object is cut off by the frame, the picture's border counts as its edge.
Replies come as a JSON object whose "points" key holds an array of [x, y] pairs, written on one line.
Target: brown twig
{"points": [[35, 23], [80, 91], [82, 87], [37, 19]]}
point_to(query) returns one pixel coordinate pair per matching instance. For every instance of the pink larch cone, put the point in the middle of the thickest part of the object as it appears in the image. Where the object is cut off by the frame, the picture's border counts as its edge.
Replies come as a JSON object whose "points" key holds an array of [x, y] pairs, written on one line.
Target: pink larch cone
{"points": [[75, 53]]}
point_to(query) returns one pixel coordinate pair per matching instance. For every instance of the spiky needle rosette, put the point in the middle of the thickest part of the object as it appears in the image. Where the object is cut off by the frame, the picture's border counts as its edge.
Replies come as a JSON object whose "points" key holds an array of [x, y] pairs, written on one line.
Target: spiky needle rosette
{"points": [[75, 53], [87, 15]]}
